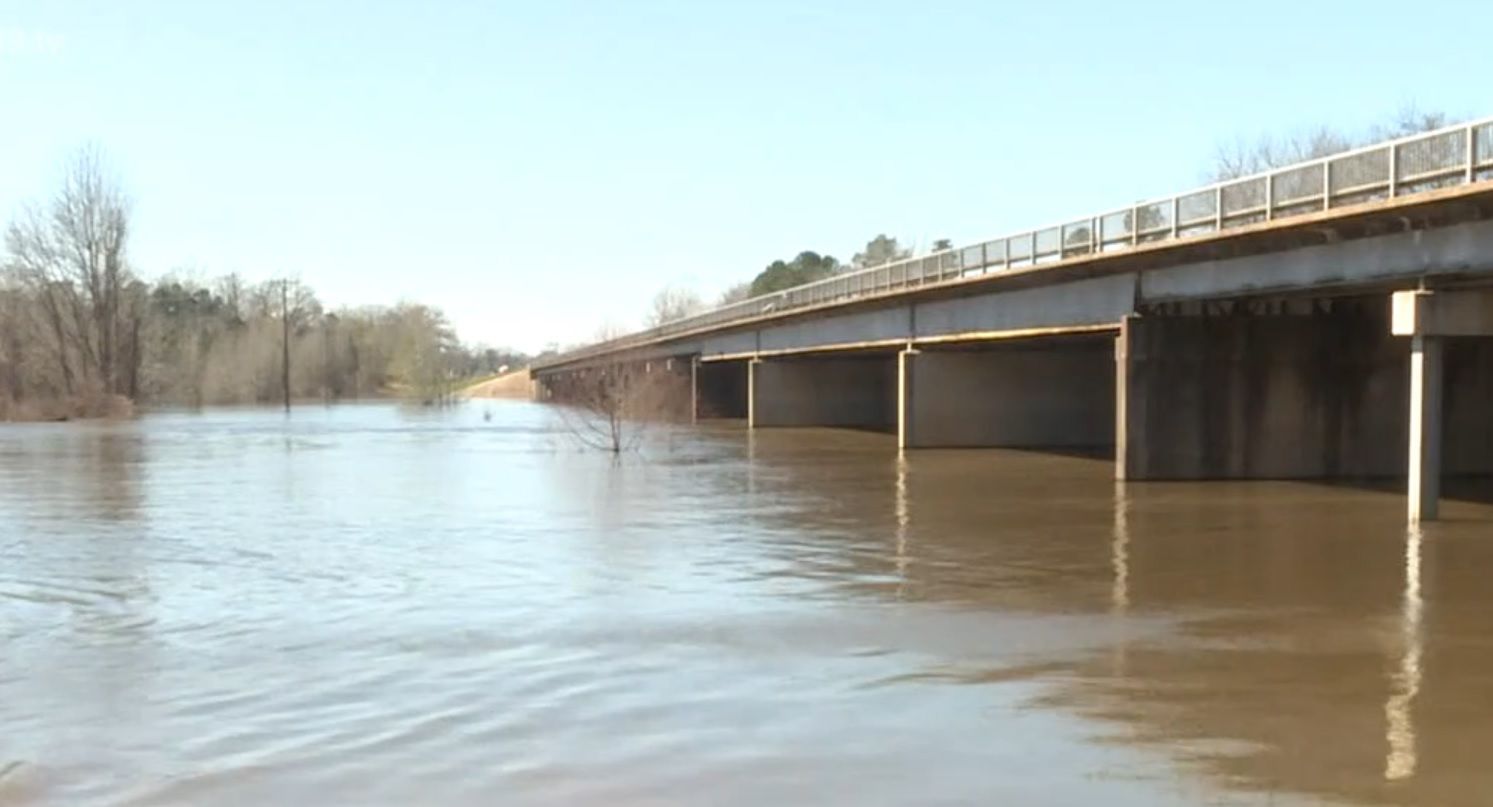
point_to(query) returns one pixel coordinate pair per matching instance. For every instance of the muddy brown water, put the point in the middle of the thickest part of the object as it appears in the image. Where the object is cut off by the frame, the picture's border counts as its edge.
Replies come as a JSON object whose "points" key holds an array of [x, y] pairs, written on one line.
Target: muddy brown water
{"points": [[370, 605]]}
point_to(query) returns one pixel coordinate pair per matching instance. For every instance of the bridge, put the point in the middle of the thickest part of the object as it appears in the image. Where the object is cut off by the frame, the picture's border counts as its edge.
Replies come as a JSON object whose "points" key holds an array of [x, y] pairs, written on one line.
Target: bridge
{"points": [[1329, 319]]}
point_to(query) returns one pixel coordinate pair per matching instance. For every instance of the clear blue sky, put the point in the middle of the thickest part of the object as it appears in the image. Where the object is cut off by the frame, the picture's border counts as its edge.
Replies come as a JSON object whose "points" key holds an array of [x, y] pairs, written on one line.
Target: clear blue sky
{"points": [[539, 168]]}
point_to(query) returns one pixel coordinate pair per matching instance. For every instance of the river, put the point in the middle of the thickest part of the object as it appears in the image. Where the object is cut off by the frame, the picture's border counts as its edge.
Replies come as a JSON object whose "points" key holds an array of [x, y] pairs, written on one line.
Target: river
{"points": [[377, 605]]}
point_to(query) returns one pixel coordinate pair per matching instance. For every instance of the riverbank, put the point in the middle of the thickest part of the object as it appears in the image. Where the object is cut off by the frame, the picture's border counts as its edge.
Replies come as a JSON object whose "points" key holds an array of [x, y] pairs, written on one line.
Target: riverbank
{"points": [[71, 407], [513, 384]]}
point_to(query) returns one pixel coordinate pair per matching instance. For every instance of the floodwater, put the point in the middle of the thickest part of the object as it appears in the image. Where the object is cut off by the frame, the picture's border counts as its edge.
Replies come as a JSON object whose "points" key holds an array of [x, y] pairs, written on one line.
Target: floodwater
{"points": [[369, 605]]}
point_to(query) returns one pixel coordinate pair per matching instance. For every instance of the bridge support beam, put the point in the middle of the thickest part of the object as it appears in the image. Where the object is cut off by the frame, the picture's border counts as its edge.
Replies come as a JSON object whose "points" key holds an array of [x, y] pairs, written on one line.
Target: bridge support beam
{"points": [[846, 390], [1048, 393]]}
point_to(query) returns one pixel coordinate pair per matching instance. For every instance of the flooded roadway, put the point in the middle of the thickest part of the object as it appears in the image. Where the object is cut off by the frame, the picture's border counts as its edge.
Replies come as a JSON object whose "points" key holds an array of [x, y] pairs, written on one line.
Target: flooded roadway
{"points": [[379, 606]]}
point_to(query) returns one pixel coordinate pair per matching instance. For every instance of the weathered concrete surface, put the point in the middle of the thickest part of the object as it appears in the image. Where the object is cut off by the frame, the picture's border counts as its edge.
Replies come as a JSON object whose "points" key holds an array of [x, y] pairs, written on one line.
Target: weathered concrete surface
{"points": [[1467, 406], [1284, 397], [1092, 301], [1041, 393], [1404, 256], [858, 391], [864, 326], [1082, 303], [1260, 397]]}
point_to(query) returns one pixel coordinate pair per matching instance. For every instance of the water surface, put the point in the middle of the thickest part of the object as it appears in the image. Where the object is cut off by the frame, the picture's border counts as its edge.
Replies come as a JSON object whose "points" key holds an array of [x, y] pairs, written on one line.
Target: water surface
{"points": [[371, 605]]}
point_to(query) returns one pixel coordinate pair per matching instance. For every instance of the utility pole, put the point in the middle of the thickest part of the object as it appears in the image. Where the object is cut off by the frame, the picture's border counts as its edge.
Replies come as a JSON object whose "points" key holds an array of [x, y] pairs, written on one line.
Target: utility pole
{"points": [[285, 341]]}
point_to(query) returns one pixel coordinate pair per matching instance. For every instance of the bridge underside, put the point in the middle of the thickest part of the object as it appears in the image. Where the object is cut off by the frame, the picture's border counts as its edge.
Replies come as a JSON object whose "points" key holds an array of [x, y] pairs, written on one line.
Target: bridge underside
{"points": [[1318, 393], [1249, 388], [1270, 365], [852, 390], [1034, 393]]}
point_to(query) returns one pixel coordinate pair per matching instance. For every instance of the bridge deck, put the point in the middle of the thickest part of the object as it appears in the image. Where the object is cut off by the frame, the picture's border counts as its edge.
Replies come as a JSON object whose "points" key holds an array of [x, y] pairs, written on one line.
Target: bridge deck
{"points": [[1418, 182]]}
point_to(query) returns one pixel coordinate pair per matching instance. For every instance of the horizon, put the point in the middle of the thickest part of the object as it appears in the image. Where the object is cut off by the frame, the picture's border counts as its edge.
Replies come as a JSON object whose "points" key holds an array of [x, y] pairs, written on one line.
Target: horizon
{"points": [[479, 161]]}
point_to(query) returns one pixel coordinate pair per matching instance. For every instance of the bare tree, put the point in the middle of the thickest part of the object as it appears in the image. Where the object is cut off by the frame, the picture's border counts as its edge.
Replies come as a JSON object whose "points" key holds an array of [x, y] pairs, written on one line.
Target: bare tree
{"points": [[672, 304], [612, 406], [285, 341], [595, 407], [736, 294], [12, 345], [1409, 120], [70, 256], [90, 223], [1240, 158], [297, 306]]}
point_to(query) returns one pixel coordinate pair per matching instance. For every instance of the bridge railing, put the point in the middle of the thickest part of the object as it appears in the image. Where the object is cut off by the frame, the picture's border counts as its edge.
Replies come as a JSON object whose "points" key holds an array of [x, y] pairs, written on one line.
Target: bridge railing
{"points": [[1455, 155]]}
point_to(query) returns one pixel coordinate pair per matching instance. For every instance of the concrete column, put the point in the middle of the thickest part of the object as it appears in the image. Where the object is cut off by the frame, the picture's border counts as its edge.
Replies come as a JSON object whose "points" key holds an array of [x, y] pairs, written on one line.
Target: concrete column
{"points": [[1123, 428], [1045, 393], [752, 368], [905, 404], [1425, 427]]}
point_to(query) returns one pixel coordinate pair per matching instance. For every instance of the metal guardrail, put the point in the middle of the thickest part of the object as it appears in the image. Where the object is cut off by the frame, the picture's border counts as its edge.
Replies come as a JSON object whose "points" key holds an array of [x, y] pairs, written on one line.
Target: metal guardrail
{"points": [[1455, 155]]}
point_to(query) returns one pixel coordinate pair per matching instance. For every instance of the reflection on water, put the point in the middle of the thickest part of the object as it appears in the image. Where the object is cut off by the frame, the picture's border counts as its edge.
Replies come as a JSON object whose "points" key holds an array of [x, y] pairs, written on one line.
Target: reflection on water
{"points": [[1120, 553], [904, 517], [371, 605], [1400, 762], [1119, 560]]}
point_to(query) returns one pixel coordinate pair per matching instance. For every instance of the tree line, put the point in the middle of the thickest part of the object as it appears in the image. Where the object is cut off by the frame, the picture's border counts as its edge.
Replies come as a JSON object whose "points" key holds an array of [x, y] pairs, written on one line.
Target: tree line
{"points": [[673, 303], [82, 334]]}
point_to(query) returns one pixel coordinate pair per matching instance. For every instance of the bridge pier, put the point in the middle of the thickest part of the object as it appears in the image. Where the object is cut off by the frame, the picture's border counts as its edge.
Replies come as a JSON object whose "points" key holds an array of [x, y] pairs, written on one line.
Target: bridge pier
{"points": [[845, 390], [1047, 393], [1424, 476]]}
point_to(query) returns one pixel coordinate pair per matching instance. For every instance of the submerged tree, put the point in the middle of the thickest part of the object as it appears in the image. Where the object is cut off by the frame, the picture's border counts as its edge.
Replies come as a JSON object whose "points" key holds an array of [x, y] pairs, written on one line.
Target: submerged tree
{"points": [[611, 407], [68, 256]]}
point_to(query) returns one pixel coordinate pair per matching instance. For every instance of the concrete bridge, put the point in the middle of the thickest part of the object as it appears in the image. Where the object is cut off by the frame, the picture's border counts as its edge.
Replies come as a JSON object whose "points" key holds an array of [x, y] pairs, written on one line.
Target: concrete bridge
{"points": [[1331, 319]]}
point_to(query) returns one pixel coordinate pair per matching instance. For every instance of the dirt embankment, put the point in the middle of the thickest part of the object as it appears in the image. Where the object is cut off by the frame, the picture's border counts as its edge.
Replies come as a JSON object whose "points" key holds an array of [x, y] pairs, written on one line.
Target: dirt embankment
{"points": [[514, 384]]}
